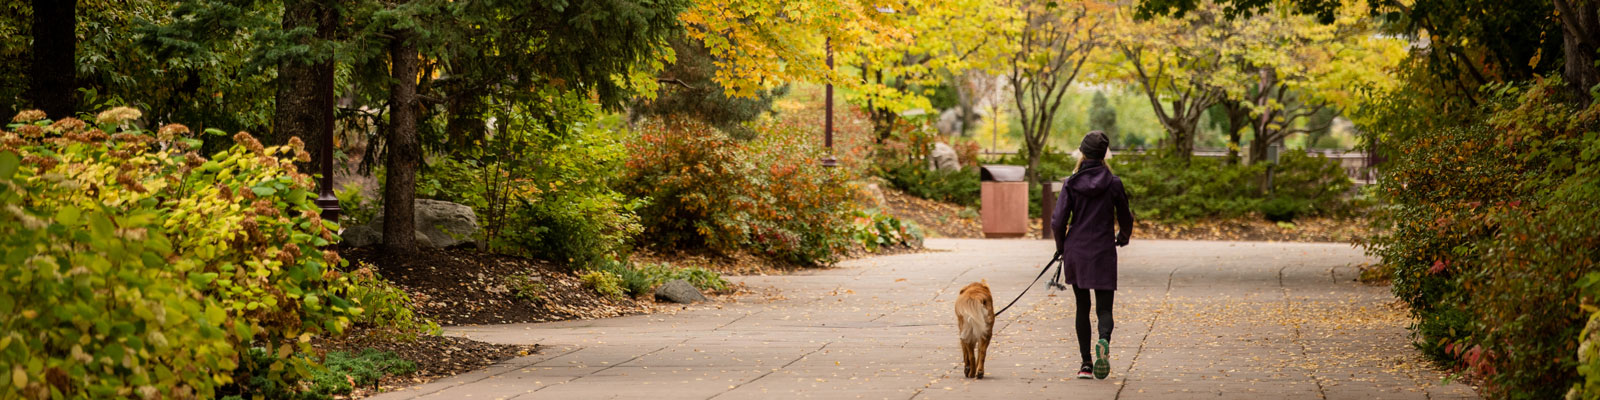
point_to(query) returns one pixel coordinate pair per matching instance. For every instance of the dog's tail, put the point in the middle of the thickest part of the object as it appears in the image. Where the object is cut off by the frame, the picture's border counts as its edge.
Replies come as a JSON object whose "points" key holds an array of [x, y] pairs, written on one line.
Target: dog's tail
{"points": [[972, 311]]}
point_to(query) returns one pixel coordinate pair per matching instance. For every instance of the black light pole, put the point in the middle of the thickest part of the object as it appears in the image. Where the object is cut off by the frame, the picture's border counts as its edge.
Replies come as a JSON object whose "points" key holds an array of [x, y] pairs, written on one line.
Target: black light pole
{"points": [[827, 125], [325, 198]]}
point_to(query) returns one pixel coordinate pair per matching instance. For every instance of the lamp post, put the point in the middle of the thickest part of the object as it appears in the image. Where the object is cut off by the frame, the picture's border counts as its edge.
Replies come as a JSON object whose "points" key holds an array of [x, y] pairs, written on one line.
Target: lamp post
{"points": [[827, 123], [325, 198]]}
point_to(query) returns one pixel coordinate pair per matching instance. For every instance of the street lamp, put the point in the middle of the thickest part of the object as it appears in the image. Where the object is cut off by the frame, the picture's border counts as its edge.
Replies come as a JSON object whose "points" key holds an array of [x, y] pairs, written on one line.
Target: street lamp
{"points": [[325, 198]]}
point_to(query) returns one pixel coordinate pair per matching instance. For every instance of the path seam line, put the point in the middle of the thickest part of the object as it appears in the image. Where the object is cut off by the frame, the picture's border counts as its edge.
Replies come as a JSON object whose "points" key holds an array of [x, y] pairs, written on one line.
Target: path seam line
{"points": [[786, 365]]}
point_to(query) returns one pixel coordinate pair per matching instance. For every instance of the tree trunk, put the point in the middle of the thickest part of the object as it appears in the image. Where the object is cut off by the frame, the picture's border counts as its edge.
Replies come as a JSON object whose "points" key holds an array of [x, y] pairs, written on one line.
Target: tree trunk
{"points": [[399, 190], [1238, 118], [1580, 38], [1183, 143], [305, 87], [964, 101], [54, 74]]}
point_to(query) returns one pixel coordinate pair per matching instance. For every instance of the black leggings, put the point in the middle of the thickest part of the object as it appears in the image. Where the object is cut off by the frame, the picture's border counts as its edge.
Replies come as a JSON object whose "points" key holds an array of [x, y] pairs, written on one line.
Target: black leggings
{"points": [[1102, 310]]}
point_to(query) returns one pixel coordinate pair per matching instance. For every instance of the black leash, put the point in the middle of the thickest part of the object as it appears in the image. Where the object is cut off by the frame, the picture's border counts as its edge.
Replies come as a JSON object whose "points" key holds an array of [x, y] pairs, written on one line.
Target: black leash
{"points": [[1054, 282]]}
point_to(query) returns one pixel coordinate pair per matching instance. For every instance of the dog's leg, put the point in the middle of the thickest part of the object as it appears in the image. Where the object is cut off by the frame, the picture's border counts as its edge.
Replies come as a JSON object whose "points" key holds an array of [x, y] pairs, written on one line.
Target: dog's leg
{"points": [[982, 354], [967, 361]]}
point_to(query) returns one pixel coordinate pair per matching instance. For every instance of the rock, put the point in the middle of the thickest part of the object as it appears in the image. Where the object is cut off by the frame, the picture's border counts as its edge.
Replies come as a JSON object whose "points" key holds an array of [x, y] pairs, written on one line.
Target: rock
{"points": [[446, 224], [950, 123], [879, 200], [943, 157], [439, 224], [679, 291], [360, 236]]}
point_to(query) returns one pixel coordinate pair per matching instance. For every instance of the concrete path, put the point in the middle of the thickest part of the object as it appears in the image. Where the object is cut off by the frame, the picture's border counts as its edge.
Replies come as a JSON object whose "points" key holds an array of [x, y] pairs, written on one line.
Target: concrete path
{"points": [[1193, 320]]}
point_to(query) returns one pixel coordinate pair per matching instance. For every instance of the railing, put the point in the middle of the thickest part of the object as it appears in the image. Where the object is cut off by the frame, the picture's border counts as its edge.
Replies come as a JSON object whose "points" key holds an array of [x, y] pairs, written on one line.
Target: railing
{"points": [[1357, 165]]}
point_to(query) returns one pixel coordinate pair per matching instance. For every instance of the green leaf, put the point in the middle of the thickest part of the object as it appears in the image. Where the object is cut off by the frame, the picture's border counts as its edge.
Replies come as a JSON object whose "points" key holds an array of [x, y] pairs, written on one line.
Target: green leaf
{"points": [[263, 190], [8, 164], [68, 215], [215, 131]]}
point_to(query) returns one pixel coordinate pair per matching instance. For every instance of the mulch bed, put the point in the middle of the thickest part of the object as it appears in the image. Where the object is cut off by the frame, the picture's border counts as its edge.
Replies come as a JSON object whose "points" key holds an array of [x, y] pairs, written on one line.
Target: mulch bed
{"points": [[466, 287], [436, 356], [937, 219]]}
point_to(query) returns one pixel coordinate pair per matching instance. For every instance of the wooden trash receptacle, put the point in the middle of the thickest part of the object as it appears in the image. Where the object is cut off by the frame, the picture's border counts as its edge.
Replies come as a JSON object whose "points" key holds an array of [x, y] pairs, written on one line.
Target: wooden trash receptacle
{"points": [[1003, 196]]}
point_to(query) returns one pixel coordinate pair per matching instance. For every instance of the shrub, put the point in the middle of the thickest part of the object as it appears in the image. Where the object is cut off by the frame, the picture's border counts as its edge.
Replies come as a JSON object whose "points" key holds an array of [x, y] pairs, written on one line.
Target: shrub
{"points": [[701, 278], [874, 229], [1588, 385], [1283, 209], [542, 192], [1318, 183], [346, 371], [605, 283], [639, 280], [138, 267], [527, 287], [707, 190], [1490, 228], [1163, 189], [386, 309], [902, 160]]}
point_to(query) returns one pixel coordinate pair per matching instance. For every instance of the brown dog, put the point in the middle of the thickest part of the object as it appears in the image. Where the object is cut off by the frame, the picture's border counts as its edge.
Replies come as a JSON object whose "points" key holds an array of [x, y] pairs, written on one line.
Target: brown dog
{"points": [[975, 319]]}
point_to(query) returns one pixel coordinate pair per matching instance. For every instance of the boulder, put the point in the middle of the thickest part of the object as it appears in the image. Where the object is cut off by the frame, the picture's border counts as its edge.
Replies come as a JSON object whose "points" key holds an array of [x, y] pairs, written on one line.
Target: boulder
{"points": [[679, 291], [439, 224], [360, 236], [879, 200], [943, 157]]}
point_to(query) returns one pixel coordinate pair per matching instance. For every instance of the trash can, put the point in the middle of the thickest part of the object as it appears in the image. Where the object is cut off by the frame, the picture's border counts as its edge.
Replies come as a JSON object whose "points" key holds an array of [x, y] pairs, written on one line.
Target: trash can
{"points": [[1003, 193], [1047, 207]]}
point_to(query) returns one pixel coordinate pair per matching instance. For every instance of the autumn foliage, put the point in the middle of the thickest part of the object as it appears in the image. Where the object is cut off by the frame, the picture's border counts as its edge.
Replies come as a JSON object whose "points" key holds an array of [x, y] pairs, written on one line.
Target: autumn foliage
{"points": [[1491, 236], [770, 196]]}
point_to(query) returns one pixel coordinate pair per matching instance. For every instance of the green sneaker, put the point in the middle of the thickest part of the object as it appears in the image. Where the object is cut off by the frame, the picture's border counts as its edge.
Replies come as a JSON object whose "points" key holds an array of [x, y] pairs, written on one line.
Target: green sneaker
{"points": [[1102, 354]]}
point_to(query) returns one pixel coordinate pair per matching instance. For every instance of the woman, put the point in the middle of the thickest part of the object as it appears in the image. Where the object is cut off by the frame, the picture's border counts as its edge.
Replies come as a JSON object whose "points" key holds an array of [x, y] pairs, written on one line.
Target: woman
{"points": [[1093, 196]]}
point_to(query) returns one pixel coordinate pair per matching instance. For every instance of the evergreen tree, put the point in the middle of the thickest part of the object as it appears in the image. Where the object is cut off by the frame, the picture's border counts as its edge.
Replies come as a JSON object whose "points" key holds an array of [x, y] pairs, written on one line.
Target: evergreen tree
{"points": [[1103, 117]]}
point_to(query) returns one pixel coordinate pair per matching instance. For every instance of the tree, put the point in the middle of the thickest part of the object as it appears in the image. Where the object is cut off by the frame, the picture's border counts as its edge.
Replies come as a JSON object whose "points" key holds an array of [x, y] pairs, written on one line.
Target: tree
{"points": [[437, 52], [1102, 117], [765, 44], [54, 72], [304, 98], [1468, 42], [1051, 43], [1179, 65], [689, 89]]}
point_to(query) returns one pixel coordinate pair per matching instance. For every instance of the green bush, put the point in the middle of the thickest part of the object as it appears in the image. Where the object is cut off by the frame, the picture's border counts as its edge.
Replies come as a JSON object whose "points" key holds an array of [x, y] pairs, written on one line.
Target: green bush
{"points": [[346, 371], [1489, 227], [1588, 385], [136, 267], [1283, 209], [638, 280], [385, 308], [1163, 189], [902, 161], [914, 178], [527, 287], [768, 196], [874, 229], [540, 192], [606, 283], [1319, 184]]}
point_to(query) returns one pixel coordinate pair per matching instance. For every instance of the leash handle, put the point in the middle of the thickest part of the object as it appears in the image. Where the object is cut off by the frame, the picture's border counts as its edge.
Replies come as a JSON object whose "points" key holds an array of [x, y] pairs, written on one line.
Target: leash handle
{"points": [[1053, 260]]}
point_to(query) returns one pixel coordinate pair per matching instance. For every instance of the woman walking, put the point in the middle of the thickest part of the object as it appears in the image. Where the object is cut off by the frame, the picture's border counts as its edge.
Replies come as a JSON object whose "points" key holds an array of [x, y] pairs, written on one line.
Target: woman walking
{"points": [[1091, 220]]}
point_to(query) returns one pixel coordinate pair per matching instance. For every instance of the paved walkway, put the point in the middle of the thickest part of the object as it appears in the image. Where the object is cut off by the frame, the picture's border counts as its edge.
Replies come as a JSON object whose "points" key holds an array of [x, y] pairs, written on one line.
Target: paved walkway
{"points": [[1194, 320]]}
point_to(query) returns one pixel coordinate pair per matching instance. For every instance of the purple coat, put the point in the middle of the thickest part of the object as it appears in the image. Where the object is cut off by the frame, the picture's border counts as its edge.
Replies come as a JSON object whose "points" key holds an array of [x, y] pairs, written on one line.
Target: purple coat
{"points": [[1089, 202]]}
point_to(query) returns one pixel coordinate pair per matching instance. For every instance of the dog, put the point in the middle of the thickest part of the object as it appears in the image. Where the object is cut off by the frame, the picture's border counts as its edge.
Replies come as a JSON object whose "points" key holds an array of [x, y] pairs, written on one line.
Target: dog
{"points": [[975, 323]]}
